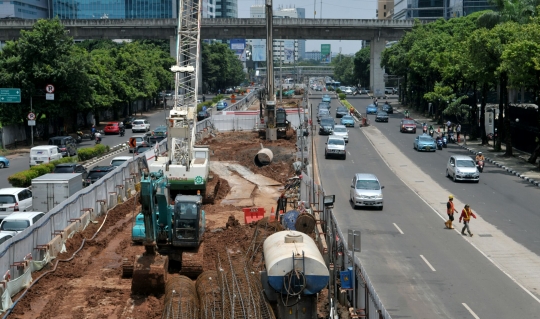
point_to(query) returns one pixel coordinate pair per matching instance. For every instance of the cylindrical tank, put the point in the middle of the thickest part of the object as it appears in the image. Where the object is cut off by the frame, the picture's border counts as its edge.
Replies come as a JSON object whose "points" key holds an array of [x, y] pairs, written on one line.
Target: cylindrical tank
{"points": [[294, 264]]}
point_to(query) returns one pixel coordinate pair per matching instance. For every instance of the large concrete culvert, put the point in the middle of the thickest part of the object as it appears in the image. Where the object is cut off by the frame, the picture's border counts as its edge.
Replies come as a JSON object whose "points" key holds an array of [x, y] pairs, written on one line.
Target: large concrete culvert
{"points": [[264, 157]]}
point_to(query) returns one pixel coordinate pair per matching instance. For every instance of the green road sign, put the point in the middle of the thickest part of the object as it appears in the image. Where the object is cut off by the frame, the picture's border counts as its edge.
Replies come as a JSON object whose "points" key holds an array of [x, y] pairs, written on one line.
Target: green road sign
{"points": [[10, 95]]}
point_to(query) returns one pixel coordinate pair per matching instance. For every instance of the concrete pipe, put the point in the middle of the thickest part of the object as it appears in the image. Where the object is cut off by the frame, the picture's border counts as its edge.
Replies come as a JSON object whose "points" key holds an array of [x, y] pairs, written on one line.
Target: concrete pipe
{"points": [[264, 157]]}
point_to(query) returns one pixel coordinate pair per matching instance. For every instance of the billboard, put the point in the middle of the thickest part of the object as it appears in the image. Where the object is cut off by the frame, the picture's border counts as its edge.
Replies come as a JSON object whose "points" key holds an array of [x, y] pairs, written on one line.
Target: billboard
{"points": [[259, 50], [288, 51], [239, 48], [326, 53]]}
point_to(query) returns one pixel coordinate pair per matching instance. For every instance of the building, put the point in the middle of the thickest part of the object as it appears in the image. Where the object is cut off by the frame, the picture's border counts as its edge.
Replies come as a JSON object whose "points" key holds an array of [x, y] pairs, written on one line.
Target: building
{"points": [[258, 11], [313, 55], [208, 9], [24, 9], [385, 8], [434, 9], [225, 8]]}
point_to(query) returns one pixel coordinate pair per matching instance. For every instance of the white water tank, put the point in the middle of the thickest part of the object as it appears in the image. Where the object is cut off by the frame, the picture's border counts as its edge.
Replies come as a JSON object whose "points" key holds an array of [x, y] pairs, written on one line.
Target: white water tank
{"points": [[294, 263]]}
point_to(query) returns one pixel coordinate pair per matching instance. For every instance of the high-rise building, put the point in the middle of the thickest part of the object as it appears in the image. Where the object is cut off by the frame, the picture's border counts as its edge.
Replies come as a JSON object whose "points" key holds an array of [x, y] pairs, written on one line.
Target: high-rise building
{"points": [[24, 9], [258, 11], [385, 8], [113, 9], [208, 8], [226, 8], [433, 9]]}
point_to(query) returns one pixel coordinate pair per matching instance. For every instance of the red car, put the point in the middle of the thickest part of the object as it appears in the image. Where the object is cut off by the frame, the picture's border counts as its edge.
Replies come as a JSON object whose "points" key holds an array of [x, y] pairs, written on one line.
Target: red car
{"points": [[112, 128], [407, 125]]}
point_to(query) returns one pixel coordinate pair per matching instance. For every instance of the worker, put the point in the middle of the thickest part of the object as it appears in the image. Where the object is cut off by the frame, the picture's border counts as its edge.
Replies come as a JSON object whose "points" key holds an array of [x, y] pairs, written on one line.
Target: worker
{"points": [[466, 214], [450, 211]]}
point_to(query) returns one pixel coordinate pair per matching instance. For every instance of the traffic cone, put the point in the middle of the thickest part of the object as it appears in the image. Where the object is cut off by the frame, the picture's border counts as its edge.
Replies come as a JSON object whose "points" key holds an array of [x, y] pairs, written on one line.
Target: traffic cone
{"points": [[272, 211]]}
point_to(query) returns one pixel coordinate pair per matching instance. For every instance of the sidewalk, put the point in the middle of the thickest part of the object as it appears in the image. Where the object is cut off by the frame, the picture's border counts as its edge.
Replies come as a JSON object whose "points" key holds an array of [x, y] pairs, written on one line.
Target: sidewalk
{"points": [[516, 164]]}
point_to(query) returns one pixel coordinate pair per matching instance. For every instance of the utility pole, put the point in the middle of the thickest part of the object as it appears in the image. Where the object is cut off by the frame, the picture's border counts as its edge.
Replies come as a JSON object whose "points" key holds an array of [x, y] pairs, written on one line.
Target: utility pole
{"points": [[281, 75], [314, 9], [32, 127], [271, 130]]}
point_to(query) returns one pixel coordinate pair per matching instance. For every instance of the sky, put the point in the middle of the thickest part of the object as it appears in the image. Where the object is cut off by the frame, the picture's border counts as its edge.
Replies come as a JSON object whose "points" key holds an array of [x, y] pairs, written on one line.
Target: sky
{"points": [[331, 9]]}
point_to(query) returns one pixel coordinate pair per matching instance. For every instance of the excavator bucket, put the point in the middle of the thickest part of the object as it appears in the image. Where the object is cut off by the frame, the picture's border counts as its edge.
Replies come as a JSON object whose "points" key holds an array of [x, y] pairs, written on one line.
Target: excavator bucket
{"points": [[149, 275], [192, 262]]}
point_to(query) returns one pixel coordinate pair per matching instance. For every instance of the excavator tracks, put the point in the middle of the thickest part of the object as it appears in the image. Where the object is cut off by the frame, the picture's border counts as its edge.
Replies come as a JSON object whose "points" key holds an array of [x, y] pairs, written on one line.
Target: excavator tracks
{"points": [[193, 262]]}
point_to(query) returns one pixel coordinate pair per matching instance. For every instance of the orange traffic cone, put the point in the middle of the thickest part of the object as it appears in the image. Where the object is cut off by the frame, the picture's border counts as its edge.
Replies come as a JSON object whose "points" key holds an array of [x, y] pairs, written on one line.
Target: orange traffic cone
{"points": [[272, 211]]}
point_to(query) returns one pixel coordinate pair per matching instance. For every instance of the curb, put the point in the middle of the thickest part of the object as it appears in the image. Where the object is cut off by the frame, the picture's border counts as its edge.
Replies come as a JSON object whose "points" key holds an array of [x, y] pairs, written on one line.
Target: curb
{"points": [[114, 150], [510, 170]]}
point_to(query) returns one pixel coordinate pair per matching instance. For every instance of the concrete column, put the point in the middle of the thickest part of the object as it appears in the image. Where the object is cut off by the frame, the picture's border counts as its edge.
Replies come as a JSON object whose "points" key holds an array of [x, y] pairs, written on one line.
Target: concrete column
{"points": [[172, 46], [376, 74]]}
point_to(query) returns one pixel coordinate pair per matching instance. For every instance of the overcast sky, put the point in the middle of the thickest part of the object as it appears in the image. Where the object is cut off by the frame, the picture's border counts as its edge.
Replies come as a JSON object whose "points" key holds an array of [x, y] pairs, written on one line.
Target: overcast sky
{"points": [[331, 9]]}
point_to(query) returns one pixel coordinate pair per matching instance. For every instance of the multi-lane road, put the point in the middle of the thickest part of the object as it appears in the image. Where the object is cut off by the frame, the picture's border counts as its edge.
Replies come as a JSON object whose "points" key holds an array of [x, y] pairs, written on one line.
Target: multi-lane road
{"points": [[419, 268]]}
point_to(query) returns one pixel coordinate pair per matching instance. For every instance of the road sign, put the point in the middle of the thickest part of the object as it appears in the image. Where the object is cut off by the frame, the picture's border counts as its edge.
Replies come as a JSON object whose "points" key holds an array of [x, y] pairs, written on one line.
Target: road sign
{"points": [[49, 97], [10, 95], [31, 116], [49, 88], [31, 123]]}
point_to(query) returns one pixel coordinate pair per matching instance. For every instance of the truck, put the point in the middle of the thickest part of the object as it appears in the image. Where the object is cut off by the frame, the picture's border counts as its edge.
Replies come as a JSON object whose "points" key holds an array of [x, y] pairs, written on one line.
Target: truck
{"points": [[50, 190]]}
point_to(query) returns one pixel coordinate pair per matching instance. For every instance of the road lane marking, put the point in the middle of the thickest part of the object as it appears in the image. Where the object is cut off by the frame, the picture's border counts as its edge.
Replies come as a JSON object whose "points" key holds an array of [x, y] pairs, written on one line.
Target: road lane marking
{"points": [[399, 229], [470, 310], [348, 152], [427, 262]]}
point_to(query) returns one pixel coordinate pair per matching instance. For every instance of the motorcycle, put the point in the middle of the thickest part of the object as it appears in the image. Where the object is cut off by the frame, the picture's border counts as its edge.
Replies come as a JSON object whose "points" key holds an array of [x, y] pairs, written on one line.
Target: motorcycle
{"points": [[452, 137], [444, 142], [83, 136], [431, 132], [122, 131], [480, 166], [439, 144], [424, 129], [98, 140]]}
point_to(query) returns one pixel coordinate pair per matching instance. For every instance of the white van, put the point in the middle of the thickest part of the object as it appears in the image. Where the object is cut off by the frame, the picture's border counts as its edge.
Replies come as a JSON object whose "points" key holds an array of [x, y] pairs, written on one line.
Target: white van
{"points": [[17, 222], [119, 160], [44, 154]]}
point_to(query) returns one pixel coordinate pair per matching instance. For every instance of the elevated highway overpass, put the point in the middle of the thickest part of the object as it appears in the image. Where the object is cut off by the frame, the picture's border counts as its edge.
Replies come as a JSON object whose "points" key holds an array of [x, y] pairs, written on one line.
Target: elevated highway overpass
{"points": [[300, 70], [377, 31]]}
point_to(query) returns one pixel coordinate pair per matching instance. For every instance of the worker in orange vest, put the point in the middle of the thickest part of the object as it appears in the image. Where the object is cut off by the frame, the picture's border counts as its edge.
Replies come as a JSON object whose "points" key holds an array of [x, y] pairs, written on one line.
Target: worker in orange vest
{"points": [[450, 211], [466, 214]]}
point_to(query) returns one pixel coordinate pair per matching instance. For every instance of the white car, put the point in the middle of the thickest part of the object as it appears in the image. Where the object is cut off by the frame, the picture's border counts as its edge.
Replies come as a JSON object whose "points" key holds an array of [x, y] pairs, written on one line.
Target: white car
{"points": [[341, 131], [335, 146], [119, 160], [14, 199], [462, 168], [366, 190], [348, 90], [16, 223], [140, 125]]}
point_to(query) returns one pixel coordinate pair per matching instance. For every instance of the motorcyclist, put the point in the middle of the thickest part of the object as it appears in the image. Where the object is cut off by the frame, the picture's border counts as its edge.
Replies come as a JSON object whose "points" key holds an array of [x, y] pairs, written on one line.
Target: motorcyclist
{"points": [[93, 131], [122, 128], [424, 127], [407, 113], [431, 129], [480, 157], [98, 137]]}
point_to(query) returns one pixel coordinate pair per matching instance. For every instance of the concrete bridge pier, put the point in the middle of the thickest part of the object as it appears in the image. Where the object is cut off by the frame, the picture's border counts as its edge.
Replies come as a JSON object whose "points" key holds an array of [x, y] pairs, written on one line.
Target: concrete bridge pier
{"points": [[376, 74], [172, 50]]}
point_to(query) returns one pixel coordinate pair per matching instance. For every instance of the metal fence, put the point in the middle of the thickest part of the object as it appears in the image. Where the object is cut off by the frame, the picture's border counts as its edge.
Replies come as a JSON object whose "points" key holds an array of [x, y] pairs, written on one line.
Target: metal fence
{"points": [[31, 243]]}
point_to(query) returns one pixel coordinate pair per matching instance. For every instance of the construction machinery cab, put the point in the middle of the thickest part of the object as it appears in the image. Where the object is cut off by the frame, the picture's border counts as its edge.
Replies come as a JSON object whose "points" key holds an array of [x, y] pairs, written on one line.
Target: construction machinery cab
{"points": [[189, 221], [283, 126]]}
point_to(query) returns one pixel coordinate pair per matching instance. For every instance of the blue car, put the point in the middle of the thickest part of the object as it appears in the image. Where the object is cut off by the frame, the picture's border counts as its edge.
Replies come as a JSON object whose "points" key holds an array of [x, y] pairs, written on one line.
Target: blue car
{"points": [[326, 98], [347, 120], [371, 109], [424, 143], [4, 162], [220, 105]]}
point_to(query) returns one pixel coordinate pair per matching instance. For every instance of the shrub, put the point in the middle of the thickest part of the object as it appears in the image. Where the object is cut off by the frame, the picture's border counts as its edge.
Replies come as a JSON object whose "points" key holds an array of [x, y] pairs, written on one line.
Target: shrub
{"points": [[23, 178], [91, 152], [217, 98], [43, 169], [342, 96], [338, 91], [347, 104], [208, 104]]}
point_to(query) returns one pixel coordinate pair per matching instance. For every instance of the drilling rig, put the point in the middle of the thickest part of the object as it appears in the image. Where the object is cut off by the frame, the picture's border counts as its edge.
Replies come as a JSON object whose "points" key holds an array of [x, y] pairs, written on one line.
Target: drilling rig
{"points": [[187, 165], [269, 95], [172, 233]]}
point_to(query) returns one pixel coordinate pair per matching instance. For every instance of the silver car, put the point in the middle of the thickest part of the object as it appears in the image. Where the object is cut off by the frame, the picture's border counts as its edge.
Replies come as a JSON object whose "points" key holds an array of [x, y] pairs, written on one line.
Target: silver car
{"points": [[366, 191], [462, 168], [341, 131], [335, 146]]}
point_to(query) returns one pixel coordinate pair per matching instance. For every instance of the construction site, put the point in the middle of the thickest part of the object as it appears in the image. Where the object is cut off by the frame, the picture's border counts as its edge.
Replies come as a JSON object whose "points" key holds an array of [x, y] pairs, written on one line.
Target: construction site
{"points": [[86, 281]]}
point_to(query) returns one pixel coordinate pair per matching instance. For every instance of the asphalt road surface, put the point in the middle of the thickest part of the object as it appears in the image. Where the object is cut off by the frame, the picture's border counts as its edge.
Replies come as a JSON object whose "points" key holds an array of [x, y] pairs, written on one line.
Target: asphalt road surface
{"points": [[419, 269]]}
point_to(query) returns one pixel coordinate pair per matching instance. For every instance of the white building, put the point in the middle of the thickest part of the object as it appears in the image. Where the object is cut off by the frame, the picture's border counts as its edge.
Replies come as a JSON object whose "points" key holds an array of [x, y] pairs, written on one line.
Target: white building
{"points": [[208, 9]]}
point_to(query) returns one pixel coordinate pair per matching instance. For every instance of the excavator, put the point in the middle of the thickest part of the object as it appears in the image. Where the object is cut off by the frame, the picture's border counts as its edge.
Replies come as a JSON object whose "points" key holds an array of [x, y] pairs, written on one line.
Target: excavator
{"points": [[171, 233]]}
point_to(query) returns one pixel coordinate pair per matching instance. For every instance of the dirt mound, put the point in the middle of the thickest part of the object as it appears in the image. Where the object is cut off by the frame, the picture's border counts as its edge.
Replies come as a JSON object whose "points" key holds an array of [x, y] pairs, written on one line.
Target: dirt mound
{"points": [[242, 147]]}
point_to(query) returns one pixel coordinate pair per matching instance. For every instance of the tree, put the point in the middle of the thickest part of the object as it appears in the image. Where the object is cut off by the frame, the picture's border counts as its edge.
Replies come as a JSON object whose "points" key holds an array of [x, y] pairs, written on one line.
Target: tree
{"points": [[362, 67], [344, 69], [45, 55], [220, 66]]}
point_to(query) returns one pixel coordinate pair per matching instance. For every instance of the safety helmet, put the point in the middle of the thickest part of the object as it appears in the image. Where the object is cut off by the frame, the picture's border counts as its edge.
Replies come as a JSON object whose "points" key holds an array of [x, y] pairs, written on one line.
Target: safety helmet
{"points": [[467, 206], [479, 153], [450, 196]]}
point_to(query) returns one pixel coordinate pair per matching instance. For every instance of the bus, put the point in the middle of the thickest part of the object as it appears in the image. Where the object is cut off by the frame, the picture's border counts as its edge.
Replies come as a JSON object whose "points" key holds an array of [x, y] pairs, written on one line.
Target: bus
{"points": [[332, 84]]}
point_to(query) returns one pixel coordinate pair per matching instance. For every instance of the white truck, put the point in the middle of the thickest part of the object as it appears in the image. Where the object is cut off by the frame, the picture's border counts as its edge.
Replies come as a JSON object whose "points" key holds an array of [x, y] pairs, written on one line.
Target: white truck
{"points": [[50, 190]]}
